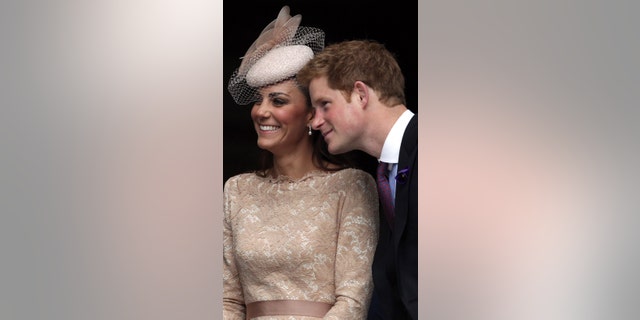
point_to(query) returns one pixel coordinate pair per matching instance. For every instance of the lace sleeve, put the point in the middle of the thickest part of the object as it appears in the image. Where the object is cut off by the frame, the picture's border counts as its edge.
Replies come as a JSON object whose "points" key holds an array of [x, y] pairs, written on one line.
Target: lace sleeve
{"points": [[357, 240], [233, 300]]}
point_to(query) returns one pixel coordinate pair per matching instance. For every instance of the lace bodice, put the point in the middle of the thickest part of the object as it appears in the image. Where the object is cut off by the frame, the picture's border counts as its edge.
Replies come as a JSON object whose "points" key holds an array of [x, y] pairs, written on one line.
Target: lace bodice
{"points": [[308, 239]]}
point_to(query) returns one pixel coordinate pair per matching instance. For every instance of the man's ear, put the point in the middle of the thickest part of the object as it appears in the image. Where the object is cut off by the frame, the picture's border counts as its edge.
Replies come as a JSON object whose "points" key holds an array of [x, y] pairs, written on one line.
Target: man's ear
{"points": [[361, 91]]}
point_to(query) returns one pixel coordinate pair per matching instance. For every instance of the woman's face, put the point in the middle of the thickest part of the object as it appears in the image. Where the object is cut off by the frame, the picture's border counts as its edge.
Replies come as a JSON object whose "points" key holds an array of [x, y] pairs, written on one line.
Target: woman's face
{"points": [[281, 117]]}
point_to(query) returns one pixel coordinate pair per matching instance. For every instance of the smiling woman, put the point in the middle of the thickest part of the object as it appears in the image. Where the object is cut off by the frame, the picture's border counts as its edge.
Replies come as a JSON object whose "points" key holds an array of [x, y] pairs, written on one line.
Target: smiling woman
{"points": [[300, 232]]}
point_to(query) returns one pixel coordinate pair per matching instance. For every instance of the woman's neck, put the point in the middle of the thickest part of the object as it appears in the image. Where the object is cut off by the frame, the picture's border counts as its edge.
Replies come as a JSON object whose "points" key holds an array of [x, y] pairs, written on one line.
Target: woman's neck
{"points": [[294, 166]]}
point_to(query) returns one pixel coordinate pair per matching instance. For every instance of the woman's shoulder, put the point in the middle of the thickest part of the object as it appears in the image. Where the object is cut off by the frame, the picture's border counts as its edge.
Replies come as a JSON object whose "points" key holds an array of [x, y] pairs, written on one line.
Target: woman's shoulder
{"points": [[240, 177], [248, 178], [353, 175], [355, 172]]}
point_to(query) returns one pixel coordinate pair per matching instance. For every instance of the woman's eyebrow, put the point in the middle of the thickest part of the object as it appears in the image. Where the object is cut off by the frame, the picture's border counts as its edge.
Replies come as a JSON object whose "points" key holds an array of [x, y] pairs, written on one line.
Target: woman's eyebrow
{"points": [[275, 94]]}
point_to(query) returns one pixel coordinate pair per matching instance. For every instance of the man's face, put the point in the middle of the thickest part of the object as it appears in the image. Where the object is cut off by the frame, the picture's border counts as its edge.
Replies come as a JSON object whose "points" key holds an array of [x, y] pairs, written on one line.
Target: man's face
{"points": [[337, 119]]}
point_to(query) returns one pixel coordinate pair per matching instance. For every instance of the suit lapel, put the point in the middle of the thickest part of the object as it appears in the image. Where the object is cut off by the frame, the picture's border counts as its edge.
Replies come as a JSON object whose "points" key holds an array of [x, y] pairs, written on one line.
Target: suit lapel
{"points": [[407, 159]]}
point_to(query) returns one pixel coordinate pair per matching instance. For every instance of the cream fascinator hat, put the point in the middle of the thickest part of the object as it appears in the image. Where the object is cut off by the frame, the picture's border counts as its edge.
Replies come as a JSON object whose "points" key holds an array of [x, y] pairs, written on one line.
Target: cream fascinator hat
{"points": [[281, 50]]}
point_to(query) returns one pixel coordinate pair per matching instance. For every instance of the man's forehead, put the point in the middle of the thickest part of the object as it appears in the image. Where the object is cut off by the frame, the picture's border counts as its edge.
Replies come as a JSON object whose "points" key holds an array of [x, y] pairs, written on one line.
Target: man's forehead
{"points": [[319, 86], [319, 80]]}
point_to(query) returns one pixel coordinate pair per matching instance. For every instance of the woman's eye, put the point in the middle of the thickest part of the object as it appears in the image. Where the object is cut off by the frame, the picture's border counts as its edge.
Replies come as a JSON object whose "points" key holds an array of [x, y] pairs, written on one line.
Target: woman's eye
{"points": [[279, 102]]}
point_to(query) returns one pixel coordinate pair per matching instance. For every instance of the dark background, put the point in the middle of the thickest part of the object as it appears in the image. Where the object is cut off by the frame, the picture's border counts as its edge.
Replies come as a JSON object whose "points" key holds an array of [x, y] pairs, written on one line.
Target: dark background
{"points": [[394, 24]]}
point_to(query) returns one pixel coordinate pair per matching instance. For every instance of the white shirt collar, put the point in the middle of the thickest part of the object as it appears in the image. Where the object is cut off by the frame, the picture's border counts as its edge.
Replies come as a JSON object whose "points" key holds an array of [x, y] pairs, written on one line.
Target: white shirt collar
{"points": [[391, 148]]}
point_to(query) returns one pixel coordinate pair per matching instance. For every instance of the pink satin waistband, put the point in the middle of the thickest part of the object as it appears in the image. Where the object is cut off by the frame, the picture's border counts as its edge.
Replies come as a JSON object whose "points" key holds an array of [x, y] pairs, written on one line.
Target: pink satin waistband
{"points": [[288, 308]]}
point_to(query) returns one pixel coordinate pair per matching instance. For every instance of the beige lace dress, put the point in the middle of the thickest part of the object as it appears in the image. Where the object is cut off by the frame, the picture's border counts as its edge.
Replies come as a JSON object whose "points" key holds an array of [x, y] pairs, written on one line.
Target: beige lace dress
{"points": [[311, 239]]}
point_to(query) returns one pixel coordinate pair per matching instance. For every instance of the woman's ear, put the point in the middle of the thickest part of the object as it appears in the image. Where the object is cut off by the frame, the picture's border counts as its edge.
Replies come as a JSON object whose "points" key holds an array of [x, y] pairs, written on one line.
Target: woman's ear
{"points": [[311, 114]]}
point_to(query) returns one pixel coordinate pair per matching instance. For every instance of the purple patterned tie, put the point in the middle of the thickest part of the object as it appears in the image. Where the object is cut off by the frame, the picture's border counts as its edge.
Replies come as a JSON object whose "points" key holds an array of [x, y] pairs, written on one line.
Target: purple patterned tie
{"points": [[384, 191]]}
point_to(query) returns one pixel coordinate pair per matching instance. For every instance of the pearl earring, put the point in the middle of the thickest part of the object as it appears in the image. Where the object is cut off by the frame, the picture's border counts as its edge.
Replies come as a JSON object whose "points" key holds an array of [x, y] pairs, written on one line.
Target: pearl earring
{"points": [[310, 133]]}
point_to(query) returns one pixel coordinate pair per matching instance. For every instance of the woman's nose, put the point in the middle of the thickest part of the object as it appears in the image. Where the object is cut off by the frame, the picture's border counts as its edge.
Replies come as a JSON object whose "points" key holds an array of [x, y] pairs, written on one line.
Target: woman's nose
{"points": [[261, 110]]}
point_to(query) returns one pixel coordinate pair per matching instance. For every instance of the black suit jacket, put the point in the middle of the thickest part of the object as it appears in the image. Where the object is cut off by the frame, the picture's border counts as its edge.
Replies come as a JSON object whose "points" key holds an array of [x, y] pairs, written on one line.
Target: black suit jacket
{"points": [[395, 266]]}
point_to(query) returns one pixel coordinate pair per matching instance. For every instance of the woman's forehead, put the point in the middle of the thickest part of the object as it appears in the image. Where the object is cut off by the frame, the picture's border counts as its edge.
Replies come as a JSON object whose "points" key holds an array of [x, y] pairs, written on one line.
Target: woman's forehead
{"points": [[289, 87]]}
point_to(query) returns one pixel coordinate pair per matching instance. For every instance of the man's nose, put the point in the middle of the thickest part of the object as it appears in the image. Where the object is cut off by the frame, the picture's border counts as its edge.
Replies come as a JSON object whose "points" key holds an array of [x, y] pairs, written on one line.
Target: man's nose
{"points": [[317, 121]]}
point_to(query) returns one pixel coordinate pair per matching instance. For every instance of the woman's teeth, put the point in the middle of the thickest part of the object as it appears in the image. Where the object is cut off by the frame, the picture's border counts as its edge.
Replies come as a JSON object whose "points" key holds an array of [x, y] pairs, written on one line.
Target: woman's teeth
{"points": [[269, 128]]}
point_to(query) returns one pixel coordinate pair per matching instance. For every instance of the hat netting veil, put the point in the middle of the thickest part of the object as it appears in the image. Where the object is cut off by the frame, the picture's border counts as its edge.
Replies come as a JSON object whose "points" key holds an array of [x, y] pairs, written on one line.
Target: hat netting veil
{"points": [[292, 42]]}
